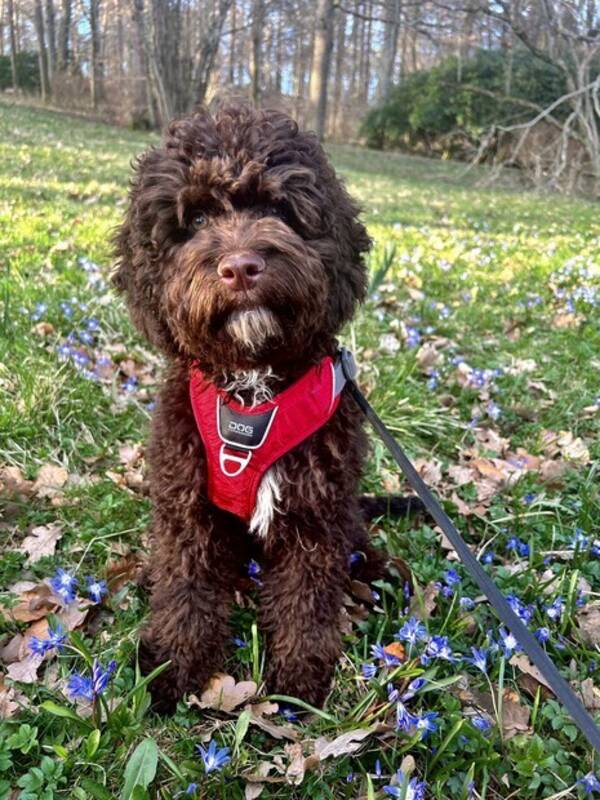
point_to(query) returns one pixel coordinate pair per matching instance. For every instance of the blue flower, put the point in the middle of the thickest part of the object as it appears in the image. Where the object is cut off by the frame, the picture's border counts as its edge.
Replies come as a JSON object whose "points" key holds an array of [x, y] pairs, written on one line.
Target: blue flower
{"points": [[369, 671], [414, 790], [514, 543], [130, 385], [404, 719], [213, 758], [63, 584], [392, 693], [481, 723], [254, 568], [487, 557], [466, 604], [378, 651], [590, 783], [412, 688], [412, 631], [542, 635], [479, 659], [192, 788], [101, 676], [83, 687], [437, 647], [288, 714], [378, 768], [80, 686], [452, 577], [493, 410], [55, 640], [579, 541], [509, 642], [413, 337], [555, 609], [426, 723], [96, 589], [239, 642], [525, 613], [38, 311]]}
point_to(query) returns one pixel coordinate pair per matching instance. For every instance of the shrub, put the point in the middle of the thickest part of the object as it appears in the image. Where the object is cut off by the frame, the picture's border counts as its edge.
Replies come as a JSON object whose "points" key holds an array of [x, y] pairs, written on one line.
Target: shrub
{"points": [[428, 105], [28, 72]]}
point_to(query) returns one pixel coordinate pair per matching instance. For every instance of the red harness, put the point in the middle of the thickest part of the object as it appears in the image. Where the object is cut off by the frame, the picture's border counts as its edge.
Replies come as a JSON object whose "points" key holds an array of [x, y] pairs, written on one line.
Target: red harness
{"points": [[242, 443]]}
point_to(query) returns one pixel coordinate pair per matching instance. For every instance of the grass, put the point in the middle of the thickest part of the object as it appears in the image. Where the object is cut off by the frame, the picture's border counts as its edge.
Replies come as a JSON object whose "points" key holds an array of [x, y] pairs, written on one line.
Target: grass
{"points": [[506, 281]]}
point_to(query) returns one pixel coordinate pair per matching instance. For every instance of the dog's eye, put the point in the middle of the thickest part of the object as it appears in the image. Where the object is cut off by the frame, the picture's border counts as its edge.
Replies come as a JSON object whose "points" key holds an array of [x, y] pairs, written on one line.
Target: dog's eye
{"points": [[274, 211], [197, 221]]}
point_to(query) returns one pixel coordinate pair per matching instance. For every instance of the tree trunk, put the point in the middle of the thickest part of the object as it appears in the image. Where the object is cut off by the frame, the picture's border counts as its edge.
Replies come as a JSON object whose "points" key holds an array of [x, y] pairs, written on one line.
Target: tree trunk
{"points": [[390, 49], [339, 70], [95, 67], [42, 53], [321, 63], [13, 44], [232, 43], [64, 36], [258, 21], [51, 36], [208, 49], [154, 73]]}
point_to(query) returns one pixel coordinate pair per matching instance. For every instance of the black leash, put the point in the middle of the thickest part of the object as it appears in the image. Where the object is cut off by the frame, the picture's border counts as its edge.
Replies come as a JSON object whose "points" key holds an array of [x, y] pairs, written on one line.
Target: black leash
{"points": [[524, 637]]}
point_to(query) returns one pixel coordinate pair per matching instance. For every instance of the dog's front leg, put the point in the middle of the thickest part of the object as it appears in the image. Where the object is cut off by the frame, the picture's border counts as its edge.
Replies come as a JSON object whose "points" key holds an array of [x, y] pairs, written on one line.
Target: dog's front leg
{"points": [[193, 580], [300, 606]]}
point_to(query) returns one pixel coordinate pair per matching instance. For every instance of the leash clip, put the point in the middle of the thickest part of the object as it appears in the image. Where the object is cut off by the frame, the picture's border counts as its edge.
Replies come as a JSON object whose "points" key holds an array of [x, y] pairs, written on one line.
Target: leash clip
{"points": [[348, 363]]}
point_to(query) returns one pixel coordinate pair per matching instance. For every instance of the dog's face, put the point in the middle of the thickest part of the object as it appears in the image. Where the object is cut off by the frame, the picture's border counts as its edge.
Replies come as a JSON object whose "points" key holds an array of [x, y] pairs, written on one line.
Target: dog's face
{"points": [[240, 247]]}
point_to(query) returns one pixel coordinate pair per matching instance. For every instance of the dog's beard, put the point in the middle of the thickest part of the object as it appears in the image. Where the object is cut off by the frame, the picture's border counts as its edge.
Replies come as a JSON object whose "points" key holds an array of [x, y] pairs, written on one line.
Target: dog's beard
{"points": [[253, 327]]}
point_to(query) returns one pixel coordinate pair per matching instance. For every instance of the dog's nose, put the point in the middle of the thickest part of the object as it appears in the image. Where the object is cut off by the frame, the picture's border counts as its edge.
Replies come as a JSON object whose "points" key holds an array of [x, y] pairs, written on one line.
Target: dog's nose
{"points": [[241, 270]]}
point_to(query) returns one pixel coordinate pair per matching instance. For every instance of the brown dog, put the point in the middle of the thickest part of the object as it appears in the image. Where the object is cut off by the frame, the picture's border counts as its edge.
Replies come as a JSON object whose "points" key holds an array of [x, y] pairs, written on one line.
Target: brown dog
{"points": [[241, 256]]}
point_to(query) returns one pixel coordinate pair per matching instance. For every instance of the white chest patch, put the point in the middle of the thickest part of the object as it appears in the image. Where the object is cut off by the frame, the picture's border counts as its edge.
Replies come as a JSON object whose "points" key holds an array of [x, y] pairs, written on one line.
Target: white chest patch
{"points": [[267, 497]]}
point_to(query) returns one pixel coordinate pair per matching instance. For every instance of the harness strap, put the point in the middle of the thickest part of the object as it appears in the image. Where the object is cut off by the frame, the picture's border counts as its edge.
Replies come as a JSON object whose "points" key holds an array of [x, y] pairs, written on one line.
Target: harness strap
{"points": [[524, 637]]}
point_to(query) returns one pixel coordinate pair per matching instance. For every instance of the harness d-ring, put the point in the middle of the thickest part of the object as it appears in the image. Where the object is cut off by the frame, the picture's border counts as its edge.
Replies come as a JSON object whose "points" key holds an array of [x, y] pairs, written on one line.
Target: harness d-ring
{"points": [[241, 461]]}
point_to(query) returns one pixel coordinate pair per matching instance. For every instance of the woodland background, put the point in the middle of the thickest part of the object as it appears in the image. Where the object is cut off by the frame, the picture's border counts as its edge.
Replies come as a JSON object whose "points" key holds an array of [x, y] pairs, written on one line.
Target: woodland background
{"points": [[508, 82]]}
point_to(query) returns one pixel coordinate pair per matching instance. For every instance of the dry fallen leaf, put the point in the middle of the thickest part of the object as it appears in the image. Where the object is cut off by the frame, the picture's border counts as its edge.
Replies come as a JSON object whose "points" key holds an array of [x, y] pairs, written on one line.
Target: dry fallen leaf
{"points": [[342, 745], [531, 677], [41, 541], [8, 701], [428, 356], [25, 671], [588, 621], [430, 471], [590, 694], [515, 716], [224, 694], [423, 603], [13, 483], [35, 602], [258, 713], [50, 480], [295, 772], [396, 649]]}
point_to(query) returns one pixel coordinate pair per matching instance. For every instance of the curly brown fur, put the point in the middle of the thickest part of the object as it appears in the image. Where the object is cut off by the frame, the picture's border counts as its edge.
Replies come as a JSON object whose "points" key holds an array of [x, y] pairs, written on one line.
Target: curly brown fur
{"points": [[249, 182]]}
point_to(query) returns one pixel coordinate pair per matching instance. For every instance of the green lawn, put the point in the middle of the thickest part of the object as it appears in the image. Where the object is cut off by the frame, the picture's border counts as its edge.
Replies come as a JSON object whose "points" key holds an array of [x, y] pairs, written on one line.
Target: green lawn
{"points": [[480, 345]]}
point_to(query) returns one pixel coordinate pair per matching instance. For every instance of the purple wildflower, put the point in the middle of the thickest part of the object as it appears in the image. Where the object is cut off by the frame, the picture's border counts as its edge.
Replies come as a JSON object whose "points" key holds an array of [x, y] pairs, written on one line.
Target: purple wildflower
{"points": [[96, 589], [213, 757], [63, 584]]}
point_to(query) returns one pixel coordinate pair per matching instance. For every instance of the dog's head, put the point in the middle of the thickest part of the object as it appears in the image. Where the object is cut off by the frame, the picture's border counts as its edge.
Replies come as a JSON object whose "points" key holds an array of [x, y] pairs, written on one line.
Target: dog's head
{"points": [[240, 247]]}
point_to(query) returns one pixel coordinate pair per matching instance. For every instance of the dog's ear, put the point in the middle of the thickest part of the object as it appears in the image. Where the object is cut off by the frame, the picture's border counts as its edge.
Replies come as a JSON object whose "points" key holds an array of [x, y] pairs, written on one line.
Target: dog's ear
{"points": [[137, 272]]}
